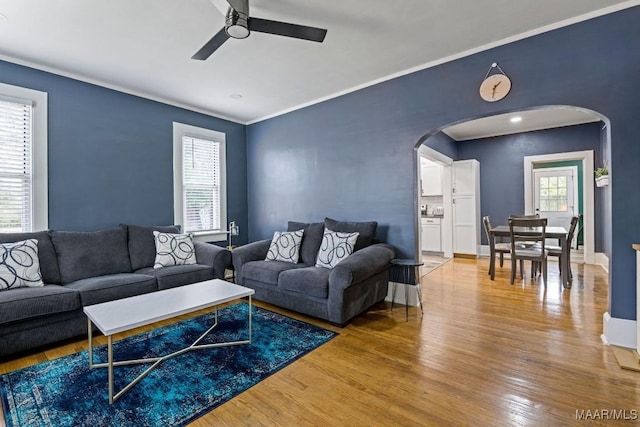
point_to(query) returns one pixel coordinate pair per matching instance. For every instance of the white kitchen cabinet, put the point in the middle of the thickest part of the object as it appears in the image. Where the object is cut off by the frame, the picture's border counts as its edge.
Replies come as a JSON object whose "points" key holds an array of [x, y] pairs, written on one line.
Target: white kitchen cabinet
{"points": [[431, 176], [466, 207], [431, 235]]}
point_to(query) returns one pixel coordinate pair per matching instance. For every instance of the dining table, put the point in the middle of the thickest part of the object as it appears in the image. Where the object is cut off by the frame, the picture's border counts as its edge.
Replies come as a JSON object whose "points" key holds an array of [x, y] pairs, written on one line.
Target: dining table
{"points": [[551, 232]]}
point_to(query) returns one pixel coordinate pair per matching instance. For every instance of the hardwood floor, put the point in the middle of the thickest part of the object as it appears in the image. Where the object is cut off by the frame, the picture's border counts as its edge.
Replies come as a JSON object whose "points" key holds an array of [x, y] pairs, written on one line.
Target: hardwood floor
{"points": [[485, 353]]}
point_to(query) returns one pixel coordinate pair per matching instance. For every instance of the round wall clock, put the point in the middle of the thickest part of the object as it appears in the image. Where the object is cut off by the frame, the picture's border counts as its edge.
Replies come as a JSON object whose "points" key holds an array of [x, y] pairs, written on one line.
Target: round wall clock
{"points": [[495, 87]]}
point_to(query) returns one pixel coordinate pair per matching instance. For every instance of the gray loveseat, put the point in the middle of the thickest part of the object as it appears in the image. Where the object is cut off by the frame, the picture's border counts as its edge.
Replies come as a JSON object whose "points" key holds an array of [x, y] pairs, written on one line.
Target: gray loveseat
{"points": [[337, 294], [84, 268]]}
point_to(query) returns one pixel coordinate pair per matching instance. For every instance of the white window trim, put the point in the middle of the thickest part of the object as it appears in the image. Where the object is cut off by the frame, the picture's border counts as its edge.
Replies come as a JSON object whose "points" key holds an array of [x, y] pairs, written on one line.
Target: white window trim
{"points": [[40, 175], [180, 130]]}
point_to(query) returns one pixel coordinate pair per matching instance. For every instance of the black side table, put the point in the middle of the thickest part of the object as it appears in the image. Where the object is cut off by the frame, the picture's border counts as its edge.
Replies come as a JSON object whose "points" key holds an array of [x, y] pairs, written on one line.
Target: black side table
{"points": [[406, 272]]}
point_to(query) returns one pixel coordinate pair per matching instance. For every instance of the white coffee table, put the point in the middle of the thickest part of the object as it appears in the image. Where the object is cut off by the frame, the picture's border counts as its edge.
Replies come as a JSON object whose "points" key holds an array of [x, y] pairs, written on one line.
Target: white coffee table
{"points": [[128, 313]]}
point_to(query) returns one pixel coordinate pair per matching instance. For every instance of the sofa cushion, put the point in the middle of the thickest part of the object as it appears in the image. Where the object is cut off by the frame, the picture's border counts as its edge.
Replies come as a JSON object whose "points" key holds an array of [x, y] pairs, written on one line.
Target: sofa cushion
{"points": [[99, 289], [46, 253], [89, 254], [335, 247], [26, 303], [285, 246], [142, 247], [267, 271], [367, 230], [19, 265], [173, 249], [178, 275], [310, 240], [312, 281]]}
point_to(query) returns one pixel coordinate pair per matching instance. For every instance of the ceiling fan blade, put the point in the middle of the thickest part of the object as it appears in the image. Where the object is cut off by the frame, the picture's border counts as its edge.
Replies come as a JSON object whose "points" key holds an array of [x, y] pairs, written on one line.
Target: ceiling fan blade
{"points": [[288, 30], [211, 46]]}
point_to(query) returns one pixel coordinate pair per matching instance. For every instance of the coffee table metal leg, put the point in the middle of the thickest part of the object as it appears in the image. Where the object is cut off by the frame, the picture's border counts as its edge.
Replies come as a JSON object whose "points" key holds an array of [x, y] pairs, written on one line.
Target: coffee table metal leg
{"points": [[157, 360], [110, 363], [90, 334]]}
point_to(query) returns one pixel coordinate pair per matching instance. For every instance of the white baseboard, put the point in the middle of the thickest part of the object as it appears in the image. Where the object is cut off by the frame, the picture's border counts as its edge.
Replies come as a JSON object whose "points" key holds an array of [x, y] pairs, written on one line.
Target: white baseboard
{"points": [[620, 332], [602, 260]]}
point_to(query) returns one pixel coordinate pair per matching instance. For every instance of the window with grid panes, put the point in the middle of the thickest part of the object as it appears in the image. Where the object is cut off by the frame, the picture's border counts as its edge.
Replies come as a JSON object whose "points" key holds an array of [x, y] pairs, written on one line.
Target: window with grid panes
{"points": [[553, 194]]}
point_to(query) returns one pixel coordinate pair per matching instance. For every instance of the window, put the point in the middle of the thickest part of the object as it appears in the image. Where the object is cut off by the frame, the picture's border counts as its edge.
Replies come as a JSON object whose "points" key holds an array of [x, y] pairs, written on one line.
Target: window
{"points": [[553, 194], [199, 181], [23, 159]]}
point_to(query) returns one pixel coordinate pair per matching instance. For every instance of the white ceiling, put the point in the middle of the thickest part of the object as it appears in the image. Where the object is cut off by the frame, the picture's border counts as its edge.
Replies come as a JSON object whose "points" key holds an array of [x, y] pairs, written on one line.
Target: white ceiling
{"points": [[144, 46], [543, 118]]}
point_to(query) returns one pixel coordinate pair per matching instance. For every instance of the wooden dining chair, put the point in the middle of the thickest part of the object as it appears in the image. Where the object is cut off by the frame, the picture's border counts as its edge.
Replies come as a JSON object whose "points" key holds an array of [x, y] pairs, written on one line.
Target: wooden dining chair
{"points": [[495, 248], [530, 243], [534, 245], [557, 250]]}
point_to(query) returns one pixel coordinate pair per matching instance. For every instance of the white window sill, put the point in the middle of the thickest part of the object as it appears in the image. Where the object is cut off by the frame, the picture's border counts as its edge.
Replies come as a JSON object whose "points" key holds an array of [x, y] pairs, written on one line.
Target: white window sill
{"points": [[210, 236]]}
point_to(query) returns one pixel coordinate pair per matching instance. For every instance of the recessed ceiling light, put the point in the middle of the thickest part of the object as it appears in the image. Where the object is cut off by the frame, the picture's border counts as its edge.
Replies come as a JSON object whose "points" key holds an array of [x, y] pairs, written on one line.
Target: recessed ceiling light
{"points": [[235, 96], [515, 119]]}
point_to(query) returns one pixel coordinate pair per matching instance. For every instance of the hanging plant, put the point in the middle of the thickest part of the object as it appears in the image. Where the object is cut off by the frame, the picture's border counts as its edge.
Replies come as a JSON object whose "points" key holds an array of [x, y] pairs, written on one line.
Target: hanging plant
{"points": [[602, 176], [600, 172]]}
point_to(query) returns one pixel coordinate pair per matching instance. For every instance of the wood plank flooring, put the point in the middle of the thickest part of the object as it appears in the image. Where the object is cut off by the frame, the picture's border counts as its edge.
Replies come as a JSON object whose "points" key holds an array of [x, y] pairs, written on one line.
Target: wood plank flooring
{"points": [[485, 353]]}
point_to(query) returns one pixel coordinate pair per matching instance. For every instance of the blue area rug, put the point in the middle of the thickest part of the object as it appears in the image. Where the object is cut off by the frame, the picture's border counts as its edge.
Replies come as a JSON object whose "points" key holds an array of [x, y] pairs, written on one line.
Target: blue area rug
{"points": [[65, 392]]}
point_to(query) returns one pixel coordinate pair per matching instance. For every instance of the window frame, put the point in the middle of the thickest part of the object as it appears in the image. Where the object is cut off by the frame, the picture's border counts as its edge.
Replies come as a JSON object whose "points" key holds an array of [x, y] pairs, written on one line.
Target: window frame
{"points": [[39, 155], [181, 130]]}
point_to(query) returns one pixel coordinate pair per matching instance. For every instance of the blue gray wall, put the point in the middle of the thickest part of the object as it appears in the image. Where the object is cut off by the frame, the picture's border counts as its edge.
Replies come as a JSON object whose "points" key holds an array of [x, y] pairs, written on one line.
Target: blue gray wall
{"points": [[502, 166], [352, 157], [444, 144], [111, 154]]}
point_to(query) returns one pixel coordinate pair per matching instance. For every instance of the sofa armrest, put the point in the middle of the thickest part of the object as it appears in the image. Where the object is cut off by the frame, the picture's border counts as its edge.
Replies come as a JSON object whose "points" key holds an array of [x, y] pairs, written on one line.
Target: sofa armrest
{"points": [[255, 251], [214, 256], [361, 265]]}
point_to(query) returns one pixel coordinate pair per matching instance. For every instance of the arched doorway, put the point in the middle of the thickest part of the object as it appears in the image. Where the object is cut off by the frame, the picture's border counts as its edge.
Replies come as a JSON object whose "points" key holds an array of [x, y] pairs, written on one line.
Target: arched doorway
{"points": [[590, 156]]}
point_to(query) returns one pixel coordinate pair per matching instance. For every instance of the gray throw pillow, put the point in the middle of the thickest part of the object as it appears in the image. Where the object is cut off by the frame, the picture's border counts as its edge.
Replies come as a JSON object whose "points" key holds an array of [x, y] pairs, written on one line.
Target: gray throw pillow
{"points": [[19, 265], [366, 230], [310, 240], [335, 247], [88, 254], [285, 246]]}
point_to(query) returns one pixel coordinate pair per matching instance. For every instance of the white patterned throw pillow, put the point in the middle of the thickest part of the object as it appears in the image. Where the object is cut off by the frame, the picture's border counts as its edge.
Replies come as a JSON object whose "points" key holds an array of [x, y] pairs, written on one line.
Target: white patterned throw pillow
{"points": [[19, 265], [335, 247], [285, 246], [173, 249]]}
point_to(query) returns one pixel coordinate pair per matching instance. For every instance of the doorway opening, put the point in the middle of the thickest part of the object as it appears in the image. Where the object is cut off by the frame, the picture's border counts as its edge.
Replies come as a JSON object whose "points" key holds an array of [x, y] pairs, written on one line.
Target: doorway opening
{"points": [[582, 162], [546, 117], [434, 203]]}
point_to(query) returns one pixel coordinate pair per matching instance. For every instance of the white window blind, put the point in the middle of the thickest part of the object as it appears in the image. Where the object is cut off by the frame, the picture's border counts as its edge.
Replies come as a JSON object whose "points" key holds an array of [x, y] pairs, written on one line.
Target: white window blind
{"points": [[201, 184], [16, 177]]}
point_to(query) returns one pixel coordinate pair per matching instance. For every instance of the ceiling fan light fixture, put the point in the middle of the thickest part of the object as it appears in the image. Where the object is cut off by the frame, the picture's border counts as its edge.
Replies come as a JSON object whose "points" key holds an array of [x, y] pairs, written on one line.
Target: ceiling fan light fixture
{"points": [[236, 24]]}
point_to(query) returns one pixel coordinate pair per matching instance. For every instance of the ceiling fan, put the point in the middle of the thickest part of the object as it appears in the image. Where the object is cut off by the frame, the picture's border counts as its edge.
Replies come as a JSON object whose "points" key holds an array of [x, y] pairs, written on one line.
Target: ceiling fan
{"points": [[239, 25]]}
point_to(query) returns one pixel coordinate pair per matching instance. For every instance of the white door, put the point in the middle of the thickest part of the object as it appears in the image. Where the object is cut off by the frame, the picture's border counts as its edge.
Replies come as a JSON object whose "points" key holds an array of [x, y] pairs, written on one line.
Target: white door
{"points": [[464, 178], [555, 195]]}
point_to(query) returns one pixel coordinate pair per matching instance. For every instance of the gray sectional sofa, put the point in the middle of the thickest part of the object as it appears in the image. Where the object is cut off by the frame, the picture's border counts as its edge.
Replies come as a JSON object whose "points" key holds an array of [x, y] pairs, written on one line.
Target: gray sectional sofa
{"points": [[334, 294], [84, 268]]}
